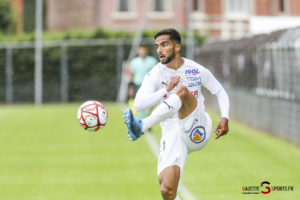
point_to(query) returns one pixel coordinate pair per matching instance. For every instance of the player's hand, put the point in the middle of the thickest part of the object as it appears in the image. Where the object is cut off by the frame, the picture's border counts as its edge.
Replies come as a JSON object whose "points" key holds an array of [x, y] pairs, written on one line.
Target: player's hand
{"points": [[222, 128], [173, 82]]}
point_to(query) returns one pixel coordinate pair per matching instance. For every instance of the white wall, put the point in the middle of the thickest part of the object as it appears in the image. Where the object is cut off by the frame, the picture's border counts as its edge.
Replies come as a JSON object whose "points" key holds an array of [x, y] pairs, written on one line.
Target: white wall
{"points": [[268, 24]]}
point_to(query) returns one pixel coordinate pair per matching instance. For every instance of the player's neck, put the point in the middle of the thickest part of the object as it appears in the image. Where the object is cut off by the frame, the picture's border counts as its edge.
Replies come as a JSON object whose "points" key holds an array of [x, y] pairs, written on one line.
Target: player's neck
{"points": [[176, 62]]}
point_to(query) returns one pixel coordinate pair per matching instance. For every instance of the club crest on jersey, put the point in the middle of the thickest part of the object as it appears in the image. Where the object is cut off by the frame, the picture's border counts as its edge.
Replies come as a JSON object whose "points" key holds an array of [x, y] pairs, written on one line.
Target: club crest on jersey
{"points": [[192, 71], [198, 134]]}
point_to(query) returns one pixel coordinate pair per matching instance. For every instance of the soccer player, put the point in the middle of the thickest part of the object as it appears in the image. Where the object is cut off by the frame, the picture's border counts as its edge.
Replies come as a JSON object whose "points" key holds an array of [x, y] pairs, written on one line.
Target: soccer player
{"points": [[175, 84]]}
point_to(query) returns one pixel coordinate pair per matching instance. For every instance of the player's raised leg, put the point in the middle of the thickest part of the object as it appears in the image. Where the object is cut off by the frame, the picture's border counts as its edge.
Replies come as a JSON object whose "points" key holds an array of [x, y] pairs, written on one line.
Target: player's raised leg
{"points": [[189, 102], [165, 110], [134, 125], [182, 101], [137, 127]]}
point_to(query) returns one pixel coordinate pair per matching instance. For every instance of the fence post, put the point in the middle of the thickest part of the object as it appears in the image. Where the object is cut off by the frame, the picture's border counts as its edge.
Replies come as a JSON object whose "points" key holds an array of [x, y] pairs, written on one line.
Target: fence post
{"points": [[190, 35], [9, 75], [122, 84], [64, 76], [119, 60], [38, 69]]}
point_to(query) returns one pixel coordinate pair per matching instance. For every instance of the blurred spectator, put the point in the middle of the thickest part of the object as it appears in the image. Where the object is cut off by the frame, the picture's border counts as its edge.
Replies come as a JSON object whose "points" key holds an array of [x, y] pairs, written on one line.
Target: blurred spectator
{"points": [[139, 67]]}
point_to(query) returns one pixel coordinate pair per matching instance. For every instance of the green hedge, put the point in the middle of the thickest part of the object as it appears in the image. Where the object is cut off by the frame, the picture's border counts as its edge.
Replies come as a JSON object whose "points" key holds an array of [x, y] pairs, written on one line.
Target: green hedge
{"points": [[81, 34], [93, 70], [92, 73]]}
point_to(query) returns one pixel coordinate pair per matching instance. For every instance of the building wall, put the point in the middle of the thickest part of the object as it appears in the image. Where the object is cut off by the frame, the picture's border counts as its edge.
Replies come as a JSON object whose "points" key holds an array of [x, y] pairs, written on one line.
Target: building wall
{"points": [[110, 18], [273, 8], [214, 20], [217, 22], [295, 7], [18, 11], [71, 14], [262, 7], [213, 7]]}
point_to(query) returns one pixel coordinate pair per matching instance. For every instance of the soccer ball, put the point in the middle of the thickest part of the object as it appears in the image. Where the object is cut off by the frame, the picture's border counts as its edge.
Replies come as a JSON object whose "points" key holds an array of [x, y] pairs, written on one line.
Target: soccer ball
{"points": [[92, 115]]}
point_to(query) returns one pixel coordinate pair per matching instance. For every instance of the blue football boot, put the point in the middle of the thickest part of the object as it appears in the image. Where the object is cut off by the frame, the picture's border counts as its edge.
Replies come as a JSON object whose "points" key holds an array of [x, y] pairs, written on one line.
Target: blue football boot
{"points": [[134, 125]]}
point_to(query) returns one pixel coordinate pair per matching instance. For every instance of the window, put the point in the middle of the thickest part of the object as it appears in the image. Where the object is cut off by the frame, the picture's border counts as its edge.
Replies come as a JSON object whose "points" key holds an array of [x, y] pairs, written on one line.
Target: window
{"points": [[161, 9], [124, 10], [123, 5], [237, 9], [282, 6], [238, 6], [198, 5], [161, 5]]}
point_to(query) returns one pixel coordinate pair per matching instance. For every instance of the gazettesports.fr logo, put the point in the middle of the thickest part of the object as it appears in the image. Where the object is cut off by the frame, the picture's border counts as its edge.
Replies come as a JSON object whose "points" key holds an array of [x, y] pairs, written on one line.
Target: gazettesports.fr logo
{"points": [[265, 188]]}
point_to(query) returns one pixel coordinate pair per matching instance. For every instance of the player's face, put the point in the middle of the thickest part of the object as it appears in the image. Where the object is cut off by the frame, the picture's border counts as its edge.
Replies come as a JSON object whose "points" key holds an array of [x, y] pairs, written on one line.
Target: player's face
{"points": [[166, 48]]}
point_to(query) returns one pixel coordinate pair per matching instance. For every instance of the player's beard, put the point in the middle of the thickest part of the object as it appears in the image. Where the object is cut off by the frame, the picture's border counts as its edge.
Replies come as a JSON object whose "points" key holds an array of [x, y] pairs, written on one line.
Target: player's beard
{"points": [[169, 58]]}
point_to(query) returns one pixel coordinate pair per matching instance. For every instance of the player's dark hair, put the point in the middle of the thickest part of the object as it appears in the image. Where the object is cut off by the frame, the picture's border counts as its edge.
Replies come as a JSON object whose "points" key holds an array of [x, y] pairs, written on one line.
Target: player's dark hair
{"points": [[174, 34], [144, 46]]}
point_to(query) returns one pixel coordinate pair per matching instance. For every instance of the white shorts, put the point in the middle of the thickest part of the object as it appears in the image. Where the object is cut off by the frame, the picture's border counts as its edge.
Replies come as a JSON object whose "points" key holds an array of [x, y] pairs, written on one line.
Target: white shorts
{"points": [[173, 150], [179, 137], [196, 129]]}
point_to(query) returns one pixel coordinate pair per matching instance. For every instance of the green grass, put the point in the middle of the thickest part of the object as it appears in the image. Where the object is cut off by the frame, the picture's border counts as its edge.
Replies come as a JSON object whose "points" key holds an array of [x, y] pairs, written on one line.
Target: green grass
{"points": [[45, 154], [245, 157]]}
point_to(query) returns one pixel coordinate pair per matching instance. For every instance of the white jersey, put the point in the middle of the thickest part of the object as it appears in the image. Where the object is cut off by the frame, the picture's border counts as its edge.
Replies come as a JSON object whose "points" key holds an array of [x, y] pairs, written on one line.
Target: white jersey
{"points": [[192, 75]]}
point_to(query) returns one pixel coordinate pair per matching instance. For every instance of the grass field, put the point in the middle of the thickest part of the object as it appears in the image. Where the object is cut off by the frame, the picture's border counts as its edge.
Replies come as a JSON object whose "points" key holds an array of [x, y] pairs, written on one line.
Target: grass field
{"points": [[45, 154]]}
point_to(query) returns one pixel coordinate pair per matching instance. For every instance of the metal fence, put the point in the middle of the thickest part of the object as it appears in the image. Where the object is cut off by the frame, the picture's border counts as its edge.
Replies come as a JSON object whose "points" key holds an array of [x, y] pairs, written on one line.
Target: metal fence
{"points": [[262, 76], [260, 73], [73, 70]]}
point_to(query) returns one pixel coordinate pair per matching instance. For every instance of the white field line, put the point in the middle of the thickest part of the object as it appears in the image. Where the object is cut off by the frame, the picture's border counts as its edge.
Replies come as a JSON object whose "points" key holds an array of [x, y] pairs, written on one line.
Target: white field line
{"points": [[183, 191], [4, 113]]}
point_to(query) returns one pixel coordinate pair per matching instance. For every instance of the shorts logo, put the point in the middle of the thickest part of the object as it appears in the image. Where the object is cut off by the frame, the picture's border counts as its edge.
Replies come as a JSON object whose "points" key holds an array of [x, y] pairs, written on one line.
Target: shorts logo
{"points": [[198, 134]]}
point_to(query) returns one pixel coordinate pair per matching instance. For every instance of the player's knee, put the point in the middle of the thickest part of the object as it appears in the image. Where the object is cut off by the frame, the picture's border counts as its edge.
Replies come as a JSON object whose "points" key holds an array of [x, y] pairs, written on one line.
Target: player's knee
{"points": [[168, 192]]}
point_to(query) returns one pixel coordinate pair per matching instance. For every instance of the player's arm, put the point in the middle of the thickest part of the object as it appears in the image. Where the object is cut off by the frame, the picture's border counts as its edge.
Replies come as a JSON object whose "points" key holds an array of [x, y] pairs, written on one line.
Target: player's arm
{"points": [[223, 100], [149, 95], [213, 85], [146, 97]]}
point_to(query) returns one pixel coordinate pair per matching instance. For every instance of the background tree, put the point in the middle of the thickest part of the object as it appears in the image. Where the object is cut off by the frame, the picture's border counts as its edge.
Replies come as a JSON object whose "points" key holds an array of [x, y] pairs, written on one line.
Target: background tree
{"points": [[7, 23]]}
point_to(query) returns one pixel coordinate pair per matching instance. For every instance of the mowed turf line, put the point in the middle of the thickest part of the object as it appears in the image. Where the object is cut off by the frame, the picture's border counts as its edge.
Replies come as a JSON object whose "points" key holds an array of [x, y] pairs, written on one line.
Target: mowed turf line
{"points": [[45, 154]]}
